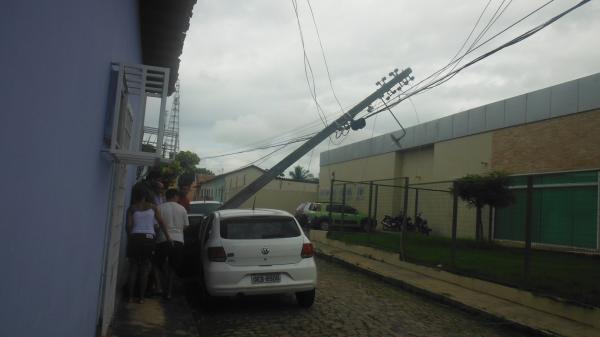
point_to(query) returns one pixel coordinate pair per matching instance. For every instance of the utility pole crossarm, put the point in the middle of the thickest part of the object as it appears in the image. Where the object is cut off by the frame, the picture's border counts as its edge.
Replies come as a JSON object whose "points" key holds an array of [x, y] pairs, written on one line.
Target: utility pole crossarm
{"points": [[238, 199]]}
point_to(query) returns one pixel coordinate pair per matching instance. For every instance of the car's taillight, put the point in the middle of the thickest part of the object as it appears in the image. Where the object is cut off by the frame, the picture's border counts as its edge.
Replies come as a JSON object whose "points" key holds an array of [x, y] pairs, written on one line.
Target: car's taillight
{"points": [[307, 250], [217, 254]]}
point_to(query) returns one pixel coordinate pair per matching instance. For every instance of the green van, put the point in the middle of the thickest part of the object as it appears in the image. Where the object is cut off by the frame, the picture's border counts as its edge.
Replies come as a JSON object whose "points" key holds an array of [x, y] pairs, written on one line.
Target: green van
{"points": [[316, 215]]}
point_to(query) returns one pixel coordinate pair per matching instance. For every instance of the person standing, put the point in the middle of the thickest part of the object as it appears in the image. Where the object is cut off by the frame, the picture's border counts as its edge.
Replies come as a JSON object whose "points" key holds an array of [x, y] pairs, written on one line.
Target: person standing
{"points": [[183, 198], [158, 191], [141, 217], [176, 220], [157, 197]]}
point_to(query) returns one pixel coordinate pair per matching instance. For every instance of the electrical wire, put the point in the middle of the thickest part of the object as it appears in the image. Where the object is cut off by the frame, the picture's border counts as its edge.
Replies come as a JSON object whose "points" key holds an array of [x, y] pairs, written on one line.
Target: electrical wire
{"points": [[265, 157], [518, 39], [307, 130], [437, 73], [431, 84], [324, 58], [514, 41], [484, 31], [397, 140], [416, 86], [313, 89], [339, 133], [415, 109], [300, 131], [292, 141]]}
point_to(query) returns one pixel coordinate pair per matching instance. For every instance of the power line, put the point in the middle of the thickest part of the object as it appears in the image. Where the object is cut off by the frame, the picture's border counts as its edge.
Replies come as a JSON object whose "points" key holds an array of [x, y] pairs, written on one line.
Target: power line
{"points": [[518, 39], [265, 157], [302, 130], [432, 83], [324, 58], [307, 131], [481, 34], [415, 87], [292, 141], [313, 89], [436, 74]]}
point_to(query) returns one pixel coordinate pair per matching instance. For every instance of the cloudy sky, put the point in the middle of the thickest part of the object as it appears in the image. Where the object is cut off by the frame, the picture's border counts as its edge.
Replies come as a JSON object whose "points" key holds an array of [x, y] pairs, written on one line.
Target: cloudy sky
{"points": [[243, 81]]}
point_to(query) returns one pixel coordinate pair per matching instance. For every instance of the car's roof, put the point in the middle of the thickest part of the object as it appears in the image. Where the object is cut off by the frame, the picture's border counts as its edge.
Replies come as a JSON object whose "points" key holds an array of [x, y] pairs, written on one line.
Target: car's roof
{"points": [[233, 213], [204, 202]]}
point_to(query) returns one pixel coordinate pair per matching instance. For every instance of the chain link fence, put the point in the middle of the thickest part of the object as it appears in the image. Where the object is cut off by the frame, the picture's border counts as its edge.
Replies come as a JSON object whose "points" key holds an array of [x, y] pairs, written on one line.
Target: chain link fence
{"points": [[426, 223]]}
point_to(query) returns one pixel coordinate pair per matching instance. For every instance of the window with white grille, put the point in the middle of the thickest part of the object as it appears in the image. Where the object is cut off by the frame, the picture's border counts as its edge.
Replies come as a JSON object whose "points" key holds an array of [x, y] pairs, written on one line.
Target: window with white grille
{"points": [[137, 136]]}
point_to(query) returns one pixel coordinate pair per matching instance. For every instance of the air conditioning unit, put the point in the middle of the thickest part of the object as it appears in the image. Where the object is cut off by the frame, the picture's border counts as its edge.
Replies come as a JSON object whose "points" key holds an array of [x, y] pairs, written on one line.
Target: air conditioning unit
{"points": [[138, 138]]}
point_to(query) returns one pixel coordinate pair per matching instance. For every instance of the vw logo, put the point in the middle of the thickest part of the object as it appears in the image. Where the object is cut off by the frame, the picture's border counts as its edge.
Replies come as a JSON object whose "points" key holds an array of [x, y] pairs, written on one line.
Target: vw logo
{"points": [[265, 251]]}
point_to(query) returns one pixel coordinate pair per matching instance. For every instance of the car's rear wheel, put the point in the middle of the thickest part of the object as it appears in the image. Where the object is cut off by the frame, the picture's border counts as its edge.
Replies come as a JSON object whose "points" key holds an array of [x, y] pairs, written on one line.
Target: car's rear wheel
{"points": [[306, 298], [325, 225]]}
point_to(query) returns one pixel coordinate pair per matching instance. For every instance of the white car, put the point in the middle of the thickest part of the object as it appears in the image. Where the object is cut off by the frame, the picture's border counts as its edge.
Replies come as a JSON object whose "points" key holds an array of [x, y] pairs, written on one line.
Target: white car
{"points": [[200, 209], [203, 207], [255, 252]]}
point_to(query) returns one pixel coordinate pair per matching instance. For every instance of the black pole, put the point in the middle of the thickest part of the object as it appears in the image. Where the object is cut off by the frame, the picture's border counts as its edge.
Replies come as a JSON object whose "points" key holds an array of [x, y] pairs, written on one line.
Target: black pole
{"points": [[343, 204], [371, 221], [490, 220], [370, 197], [331, 201], [454, 223], [376, 200], [404, 221], [416, 205], [528, 227]]}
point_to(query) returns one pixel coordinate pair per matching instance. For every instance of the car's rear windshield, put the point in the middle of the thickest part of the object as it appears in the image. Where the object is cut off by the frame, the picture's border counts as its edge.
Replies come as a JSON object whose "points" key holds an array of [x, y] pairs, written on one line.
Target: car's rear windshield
{"points": [[203, 208], [271, 227]]}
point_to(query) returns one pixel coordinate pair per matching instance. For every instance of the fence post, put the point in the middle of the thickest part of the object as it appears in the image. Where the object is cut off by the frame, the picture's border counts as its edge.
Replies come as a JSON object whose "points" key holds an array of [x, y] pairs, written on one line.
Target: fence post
{"points": [[331, 201], [528, 227], [370, 202], [454, 223], [404, 221], [490, 221], [375, 206], [343, 204], [416, 205]]}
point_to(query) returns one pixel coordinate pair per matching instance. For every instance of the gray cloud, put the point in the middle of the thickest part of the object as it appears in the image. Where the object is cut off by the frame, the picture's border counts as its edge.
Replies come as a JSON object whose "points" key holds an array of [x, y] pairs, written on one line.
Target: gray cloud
{"points": [[242, 73]]}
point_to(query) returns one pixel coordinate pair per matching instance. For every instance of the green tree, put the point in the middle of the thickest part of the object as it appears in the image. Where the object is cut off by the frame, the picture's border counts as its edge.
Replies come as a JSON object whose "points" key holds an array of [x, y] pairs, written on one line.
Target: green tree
{"points": [[182, 169], [300, 173], [479, 190]]}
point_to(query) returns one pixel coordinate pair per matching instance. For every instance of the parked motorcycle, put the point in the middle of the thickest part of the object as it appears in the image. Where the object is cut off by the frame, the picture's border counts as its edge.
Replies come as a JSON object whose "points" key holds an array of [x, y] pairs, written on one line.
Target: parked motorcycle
{"points": [[389, 223], [421, 224], [395, 223]]}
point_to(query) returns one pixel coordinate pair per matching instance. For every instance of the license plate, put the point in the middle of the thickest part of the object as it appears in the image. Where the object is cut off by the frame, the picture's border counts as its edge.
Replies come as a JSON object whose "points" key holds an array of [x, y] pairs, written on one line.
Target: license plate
{"points": [[266, 278]]}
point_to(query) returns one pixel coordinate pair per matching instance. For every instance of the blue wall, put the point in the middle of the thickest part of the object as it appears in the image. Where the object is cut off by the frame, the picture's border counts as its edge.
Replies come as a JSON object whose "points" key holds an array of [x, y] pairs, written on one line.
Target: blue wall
{"points": [[55, 59]]}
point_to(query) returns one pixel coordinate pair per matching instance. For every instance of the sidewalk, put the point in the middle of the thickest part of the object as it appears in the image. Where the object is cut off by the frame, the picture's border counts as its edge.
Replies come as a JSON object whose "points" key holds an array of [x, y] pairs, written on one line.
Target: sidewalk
{"points": [[155, 318], [463, 292]]}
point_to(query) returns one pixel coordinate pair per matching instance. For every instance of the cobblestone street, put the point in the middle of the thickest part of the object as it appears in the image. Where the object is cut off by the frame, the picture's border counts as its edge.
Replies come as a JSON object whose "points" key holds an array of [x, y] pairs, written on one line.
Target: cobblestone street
{"points": [[348, 303]]}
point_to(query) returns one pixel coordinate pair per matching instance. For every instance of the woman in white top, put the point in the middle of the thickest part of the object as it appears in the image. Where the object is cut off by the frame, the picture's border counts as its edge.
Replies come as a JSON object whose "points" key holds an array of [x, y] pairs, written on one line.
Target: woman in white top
{"points": [[141, 217]]}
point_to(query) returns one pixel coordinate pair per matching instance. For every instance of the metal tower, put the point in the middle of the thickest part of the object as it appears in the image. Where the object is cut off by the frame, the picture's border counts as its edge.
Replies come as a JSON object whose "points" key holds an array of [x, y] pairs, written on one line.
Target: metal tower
{"points": [[171, 135], [172, 130]]}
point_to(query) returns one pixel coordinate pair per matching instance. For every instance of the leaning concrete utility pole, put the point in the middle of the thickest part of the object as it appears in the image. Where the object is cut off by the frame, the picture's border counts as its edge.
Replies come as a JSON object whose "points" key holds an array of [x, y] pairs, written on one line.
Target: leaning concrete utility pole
{"points": [[344, 122]]}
